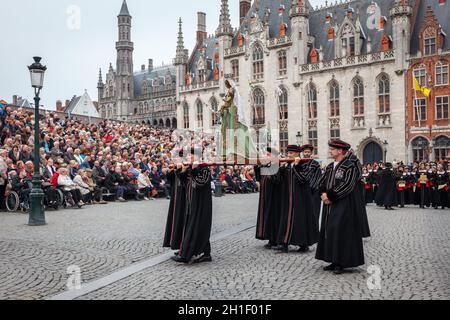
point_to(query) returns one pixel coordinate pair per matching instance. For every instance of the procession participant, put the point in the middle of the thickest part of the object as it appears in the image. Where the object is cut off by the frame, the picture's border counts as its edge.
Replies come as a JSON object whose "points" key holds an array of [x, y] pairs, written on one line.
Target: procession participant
{"points": [[314, 174], [387, 192], [410, 183], [368, 186], [175, 217], [360, 206], [423, 199], [401, 186], [269, 200], [440, 194], [198, 212], [298, 224], [340, 241]]}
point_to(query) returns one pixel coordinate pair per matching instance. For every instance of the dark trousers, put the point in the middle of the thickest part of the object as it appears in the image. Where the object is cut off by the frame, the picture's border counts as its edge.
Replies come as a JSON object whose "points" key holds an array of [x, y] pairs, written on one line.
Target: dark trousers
{"points": [[2, 197]]}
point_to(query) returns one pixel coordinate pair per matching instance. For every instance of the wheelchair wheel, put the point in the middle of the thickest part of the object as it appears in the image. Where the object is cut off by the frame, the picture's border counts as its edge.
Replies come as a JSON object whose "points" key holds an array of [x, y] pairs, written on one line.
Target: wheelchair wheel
{"points": [[60, 199], [12, 202]]}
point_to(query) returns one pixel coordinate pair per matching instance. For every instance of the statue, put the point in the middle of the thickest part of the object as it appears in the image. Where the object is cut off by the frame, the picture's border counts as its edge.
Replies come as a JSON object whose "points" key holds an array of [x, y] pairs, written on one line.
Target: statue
{"points": [[236, 141]]}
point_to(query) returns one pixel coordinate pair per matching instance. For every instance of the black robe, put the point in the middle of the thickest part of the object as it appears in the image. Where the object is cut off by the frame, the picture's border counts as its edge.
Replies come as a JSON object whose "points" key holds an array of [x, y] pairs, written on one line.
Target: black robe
{"points": [[361, 205], [387, 191], [340, 239], [198, 217], [423, 194], [298, 223], [440, 189], [175, 217], [314, 173], [269, 205]]}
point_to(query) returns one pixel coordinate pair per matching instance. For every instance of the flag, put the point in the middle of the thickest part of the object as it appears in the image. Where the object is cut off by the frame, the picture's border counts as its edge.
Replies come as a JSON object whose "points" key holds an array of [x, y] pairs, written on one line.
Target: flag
{"points": [[425, 91]]}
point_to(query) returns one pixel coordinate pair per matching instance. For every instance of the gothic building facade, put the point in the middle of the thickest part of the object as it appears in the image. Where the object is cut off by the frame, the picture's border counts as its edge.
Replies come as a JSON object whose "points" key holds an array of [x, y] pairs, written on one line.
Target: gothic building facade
{"points": [[306, 74], [146, 96]]}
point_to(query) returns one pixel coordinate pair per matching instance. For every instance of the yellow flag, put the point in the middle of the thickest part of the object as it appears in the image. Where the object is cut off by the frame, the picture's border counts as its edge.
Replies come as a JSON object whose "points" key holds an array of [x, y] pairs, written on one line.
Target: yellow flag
{"points": [[426, 92]]}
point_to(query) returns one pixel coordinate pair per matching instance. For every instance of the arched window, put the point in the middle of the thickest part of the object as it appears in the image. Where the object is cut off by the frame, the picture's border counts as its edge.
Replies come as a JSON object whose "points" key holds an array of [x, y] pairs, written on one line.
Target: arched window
{"points": [[384, 94], [258, 107], [419, 148], [283, 104], [186, 115], [141, 108], [144, 87], [214, 108], [334, 99], [312, 102], [358, 97], [258, 63], [235, 69], [441, 148], [199, 114], [161, 123], [146, 110], [282, 62]]}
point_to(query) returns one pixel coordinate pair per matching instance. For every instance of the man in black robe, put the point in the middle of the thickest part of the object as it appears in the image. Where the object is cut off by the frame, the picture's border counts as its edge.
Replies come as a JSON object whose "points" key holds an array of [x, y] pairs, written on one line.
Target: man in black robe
{"points": [[298, 224], [314, 174], [340, 241], [198, 213], [175, 217], [387, 193], [269, 200]]}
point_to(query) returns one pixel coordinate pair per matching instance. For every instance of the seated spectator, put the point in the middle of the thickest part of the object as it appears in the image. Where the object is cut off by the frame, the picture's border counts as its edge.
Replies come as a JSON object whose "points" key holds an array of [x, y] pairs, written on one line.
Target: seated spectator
{"points": [[114, 182], [22, 185], [86, 193], [67, 184]]}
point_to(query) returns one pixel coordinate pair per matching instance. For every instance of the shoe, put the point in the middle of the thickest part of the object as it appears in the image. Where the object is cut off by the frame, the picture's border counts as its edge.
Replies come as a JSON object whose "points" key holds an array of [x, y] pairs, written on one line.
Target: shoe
{"points": [[168, 198], [331, 267], [203, 258], [146, 199], [178, 259], [303, 249], [80, 205], [103, 202], [338, 270], [122, 200], [177, 253], [268, 246], [282, 249], [95, 202]]}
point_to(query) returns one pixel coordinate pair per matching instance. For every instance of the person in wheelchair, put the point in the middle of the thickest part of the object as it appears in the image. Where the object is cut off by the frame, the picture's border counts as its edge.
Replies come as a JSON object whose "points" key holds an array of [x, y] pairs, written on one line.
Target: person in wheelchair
{"points": [[22, 185], [67, 185]]}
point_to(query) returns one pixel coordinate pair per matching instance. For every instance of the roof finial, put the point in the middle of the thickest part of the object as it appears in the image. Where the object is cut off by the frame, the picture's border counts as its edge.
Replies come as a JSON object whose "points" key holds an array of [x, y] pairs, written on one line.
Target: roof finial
{"points": [[224, 21]]}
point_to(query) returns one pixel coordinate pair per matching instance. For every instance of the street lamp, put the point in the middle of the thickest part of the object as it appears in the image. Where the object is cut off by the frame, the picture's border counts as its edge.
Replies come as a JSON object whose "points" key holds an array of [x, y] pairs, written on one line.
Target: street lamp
{"points": [[299, 137], [37, 214], [385, 143], [218, 192]]}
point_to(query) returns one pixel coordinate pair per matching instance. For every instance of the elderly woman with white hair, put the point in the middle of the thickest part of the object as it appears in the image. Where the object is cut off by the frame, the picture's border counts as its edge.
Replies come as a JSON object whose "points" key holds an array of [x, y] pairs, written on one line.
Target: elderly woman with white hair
{"points": [[68, 185], [85, 189]]}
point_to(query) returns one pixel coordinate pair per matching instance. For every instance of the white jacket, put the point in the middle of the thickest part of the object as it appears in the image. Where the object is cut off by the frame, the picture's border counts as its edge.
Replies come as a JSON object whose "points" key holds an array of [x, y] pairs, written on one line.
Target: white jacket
{"points": [[66, 182], [83, 186]]}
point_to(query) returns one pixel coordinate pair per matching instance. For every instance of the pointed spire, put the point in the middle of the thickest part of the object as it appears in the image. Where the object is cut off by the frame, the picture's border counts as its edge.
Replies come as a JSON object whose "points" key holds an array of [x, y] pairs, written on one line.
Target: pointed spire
{"points": [[100, 79], [224, 28], [181, 56], [124, 10]]}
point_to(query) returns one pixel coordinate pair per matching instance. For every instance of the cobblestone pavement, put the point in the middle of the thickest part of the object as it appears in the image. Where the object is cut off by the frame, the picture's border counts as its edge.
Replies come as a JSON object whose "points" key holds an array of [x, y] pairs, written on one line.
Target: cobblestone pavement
{"points": [[410, 246], [98, 239]]}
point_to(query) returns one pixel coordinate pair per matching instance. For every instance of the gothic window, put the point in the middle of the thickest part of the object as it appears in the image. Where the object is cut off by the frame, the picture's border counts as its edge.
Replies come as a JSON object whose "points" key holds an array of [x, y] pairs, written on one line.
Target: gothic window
{"points": [[348, 41], [146, 108], [334, 99], [358, 97], [235, 69], [258, 107], [258, 63], [282, 63], [283, 104], [214, 108], [442, 107], [128, 88], [186, 115], [384, 95], [199, 114], [312, 102], [441, 73], [313, 138], [421, 76], [144, 88], [202, 76], [441, 148], [420, 110], [419, 148], [141, 109], [429, 44]]}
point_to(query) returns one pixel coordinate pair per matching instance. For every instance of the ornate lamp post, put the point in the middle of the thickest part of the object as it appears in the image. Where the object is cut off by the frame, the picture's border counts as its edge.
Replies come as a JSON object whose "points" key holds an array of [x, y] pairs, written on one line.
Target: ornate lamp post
{"points": [[37, 215], [299, 137]]}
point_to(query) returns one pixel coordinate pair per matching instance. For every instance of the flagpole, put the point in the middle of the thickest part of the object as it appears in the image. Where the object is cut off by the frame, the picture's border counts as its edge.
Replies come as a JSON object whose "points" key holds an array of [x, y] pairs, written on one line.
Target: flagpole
{"points": [[419, 116]]}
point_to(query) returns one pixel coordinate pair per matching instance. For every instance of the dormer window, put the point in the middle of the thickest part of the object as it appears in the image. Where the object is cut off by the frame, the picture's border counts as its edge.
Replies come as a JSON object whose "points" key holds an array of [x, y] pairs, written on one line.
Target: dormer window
{"points": [[429, 44], [348, 41]]}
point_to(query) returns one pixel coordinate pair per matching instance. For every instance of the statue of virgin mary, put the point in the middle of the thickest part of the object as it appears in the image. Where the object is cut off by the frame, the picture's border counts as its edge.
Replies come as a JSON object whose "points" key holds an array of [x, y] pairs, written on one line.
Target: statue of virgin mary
{"points": [[236, 140]]}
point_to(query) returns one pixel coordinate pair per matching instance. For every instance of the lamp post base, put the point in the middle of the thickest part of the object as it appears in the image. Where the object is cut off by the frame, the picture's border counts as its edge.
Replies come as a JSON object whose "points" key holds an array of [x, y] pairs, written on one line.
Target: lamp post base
{"points": [[37, 214]]}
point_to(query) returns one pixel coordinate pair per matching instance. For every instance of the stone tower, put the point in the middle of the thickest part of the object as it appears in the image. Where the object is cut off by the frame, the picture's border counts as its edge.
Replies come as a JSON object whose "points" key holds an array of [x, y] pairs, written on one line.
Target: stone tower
{"points": [[401, 14], [224, 34], [124, 79], [244, 8], [300, 24], [100, 86], [181, 59]]}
